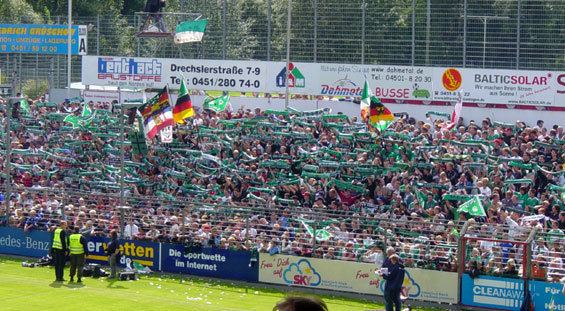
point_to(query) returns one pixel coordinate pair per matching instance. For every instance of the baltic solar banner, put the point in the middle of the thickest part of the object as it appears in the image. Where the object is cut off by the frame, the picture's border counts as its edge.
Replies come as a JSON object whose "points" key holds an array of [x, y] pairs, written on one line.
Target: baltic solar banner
{"points": [[209, 262], [42, 39], [354, 277], [16, 242]]}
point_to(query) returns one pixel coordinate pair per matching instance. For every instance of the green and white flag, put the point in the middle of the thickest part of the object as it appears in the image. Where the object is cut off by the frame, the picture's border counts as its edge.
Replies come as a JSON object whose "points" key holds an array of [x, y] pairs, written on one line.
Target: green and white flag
{"points": [[190, 31], [473, 207], [365, 100], [25, 106], [321, 234], [218, 104], [86, 111], [72, 119]]}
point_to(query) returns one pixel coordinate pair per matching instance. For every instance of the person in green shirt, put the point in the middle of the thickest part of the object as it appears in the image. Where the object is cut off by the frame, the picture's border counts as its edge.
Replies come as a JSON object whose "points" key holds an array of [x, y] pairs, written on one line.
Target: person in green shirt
{"points": [[555, 234]]}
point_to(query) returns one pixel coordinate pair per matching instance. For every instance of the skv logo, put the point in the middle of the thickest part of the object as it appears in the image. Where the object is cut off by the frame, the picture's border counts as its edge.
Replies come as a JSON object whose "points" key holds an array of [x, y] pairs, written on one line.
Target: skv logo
{"points": [[410, 288], [301, 273], [295, 79]]}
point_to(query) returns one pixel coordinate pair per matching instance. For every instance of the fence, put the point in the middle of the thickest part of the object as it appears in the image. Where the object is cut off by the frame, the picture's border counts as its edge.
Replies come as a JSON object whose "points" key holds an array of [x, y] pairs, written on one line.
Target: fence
{"points": [[239, 242], [503, 34]]}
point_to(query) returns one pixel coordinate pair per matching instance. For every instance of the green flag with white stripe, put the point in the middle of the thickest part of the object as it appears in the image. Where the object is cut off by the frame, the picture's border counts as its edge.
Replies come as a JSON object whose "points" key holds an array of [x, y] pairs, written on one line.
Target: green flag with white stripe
{"points": [[190, 31]]}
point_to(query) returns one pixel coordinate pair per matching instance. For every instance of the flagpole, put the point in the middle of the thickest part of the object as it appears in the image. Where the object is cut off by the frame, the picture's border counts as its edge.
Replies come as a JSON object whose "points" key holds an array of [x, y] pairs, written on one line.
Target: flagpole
{"points": [[288, 22], [122, 158], [69, 50]]}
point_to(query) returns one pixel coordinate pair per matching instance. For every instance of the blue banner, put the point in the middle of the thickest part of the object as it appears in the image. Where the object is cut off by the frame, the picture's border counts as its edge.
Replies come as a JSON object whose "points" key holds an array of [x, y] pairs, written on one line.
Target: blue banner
{"points": [[492, 292], [42, 39], [14, 241], [142, 252], [209, 262], [548, 296]]}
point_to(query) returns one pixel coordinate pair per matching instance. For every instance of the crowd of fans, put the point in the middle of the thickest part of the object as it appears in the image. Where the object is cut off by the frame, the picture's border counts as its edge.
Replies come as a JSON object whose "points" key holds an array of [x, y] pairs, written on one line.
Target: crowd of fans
{"points": [[267, 181]]}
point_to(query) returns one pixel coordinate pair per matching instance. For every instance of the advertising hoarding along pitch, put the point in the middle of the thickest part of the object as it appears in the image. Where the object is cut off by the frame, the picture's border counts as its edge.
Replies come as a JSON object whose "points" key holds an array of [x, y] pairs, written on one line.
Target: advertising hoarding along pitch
{"points": [[354, 277], [136, 72], [399, 83], [42, 39]]}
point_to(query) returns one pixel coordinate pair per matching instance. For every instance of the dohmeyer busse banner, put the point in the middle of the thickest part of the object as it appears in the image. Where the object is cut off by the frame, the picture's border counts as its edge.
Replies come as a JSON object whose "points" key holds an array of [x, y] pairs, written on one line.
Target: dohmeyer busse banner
{"points": [[492, 292], [513, 87], [16, 242], [142, 252], [42, 39], [209, 262], [199, 74], [354, 277]]}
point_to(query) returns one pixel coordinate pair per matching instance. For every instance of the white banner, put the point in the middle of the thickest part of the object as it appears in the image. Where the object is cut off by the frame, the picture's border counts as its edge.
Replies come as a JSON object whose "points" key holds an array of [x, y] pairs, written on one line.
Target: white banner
{"points": [[199, 74], [354, 277], [538, 88], [483, 86]]}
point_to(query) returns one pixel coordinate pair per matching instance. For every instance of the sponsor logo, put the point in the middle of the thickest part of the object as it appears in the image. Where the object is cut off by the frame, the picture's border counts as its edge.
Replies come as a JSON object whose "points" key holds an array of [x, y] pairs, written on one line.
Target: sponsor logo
{"points": [[301, 273], [124, 69], [341, 87], [503, 293], [561, 82], [511, 79], [410, 288], [420, 93], [451, 79], [295, 79]]}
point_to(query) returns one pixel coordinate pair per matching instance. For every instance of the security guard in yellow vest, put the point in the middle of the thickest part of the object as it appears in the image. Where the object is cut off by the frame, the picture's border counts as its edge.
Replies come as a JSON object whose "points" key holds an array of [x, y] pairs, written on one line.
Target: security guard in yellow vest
{"points": [[59, 250], [78, 250]]}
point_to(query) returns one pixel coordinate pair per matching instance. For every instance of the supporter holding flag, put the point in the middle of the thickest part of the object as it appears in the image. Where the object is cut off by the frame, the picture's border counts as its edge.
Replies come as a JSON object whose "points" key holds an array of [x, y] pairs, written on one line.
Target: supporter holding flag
{"points": [[379, 115], [183, 108], [157, 114], [365, 101]]}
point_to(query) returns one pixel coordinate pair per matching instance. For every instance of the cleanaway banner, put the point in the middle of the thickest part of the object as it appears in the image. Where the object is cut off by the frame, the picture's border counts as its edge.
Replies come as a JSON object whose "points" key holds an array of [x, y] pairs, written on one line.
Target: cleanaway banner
{"points": [[399, 83], [492, 292], [354, 277], [209, 262]]}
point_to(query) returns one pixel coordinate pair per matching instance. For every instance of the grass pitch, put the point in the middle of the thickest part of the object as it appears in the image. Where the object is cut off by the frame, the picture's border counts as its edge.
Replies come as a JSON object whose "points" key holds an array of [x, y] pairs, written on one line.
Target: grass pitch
{"points": [[33, 289]]}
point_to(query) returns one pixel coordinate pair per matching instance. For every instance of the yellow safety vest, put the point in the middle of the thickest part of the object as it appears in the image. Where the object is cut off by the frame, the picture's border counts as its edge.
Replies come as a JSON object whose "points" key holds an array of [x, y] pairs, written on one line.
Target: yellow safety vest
{"points": [[57, 244], [74, 244]]}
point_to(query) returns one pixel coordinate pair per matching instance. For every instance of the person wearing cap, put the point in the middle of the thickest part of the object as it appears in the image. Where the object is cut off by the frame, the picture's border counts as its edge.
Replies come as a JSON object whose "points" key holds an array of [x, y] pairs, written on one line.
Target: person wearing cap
{"points": [[112, 251]]}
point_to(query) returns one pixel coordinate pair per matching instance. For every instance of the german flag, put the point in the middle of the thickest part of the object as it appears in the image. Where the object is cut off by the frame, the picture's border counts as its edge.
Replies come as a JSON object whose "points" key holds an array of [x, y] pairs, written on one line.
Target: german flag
{"points": [[379, 115], [183, 108]]}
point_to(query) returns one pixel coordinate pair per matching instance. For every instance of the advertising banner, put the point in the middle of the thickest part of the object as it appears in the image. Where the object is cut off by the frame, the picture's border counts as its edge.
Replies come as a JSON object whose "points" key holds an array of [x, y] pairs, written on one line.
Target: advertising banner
{"points": [[209, 262], [15, 241], [136, 72], [511, 87], [42, 39], [103, 99], [548, 296], [142, 252], [492, 292], [354, 277], [399, 83]]}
